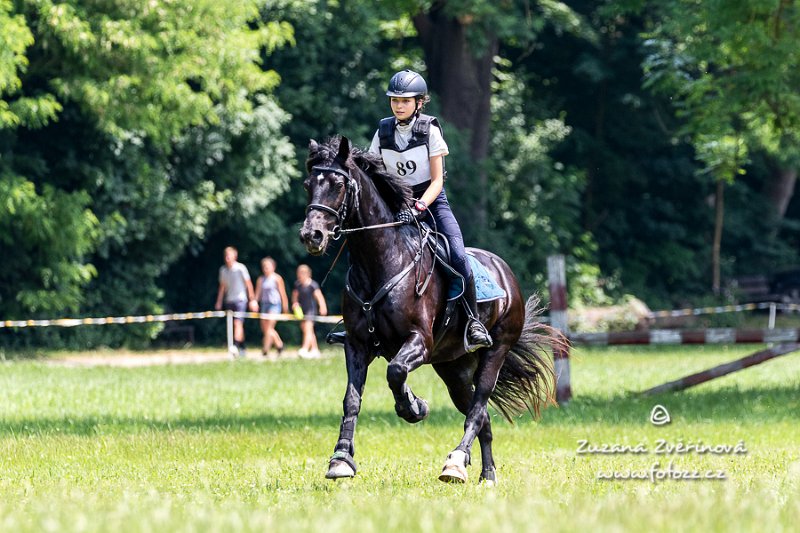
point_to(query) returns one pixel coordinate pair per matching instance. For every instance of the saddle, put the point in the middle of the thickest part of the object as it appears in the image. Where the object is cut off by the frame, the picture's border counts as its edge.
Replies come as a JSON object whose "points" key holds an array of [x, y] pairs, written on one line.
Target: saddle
{"points": [[486, 287]]}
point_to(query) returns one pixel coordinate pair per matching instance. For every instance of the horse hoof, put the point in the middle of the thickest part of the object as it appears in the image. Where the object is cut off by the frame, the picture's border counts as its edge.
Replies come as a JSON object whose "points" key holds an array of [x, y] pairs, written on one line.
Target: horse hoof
{"points": [[455, 469], [488, 478], [417, 411], [341, 465], [339, 469], [422, 409]]}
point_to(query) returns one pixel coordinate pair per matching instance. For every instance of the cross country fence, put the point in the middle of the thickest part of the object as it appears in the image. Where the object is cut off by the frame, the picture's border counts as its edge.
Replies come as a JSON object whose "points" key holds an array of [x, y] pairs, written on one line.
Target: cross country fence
{"points": [[780, 341]]}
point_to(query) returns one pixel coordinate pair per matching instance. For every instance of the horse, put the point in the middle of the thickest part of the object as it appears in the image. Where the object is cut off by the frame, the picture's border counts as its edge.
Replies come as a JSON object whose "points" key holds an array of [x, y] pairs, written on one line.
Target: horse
{"points": [[386, 314]]}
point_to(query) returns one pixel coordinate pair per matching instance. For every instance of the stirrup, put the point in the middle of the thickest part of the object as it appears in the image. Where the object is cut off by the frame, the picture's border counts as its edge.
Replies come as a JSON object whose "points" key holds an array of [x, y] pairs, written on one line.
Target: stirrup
{"points": [[336, 337], [476, 336]]}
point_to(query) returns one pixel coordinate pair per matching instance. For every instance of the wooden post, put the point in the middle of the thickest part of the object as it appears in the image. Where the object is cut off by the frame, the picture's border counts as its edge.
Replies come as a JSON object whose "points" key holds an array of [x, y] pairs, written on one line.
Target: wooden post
{"points": [[229, 328], [773, 308], [557, 285]]}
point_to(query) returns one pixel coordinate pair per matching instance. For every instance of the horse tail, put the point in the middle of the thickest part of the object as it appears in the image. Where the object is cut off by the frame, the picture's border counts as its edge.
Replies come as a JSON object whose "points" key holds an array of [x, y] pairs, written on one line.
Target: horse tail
{"points": [[527, 379]]}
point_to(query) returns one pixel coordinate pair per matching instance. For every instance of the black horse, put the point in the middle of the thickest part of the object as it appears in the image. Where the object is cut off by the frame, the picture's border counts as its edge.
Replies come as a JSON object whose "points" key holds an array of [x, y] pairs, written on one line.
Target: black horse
{"points": [[385, 315]]}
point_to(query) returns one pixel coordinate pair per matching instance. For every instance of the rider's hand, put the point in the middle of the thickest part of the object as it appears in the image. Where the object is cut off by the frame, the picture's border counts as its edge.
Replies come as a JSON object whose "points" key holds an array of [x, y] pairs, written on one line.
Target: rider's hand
{"points": [[407, 215]]}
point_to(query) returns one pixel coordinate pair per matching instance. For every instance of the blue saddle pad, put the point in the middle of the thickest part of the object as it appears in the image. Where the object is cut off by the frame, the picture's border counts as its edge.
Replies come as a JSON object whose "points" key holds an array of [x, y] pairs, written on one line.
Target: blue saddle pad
{"points": [[486, 287]]}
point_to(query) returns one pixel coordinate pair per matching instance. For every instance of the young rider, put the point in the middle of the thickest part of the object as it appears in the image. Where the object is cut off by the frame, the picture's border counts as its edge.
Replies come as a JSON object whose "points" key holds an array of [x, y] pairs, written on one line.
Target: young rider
{"points": [[412, 148]]}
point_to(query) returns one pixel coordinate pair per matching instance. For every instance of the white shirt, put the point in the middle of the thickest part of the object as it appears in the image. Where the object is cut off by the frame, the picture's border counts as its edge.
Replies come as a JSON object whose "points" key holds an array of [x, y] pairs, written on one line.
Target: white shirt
{"points": [[234, 280]]}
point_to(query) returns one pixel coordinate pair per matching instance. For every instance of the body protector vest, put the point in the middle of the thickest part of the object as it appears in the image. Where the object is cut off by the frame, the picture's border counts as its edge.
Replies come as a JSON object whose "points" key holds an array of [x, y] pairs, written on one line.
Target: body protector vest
{"points": [[413, 163]]}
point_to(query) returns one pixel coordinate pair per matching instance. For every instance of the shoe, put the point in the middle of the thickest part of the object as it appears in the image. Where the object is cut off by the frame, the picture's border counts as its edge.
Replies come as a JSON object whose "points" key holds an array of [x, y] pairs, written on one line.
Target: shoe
{"points": [[314, 354], [303, 353], [280, 350], [476, 336]]}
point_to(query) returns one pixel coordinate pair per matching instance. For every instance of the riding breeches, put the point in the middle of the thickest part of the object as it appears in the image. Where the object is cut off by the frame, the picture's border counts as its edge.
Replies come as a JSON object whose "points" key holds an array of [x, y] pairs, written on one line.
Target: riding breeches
{"points": [[447, 225]]}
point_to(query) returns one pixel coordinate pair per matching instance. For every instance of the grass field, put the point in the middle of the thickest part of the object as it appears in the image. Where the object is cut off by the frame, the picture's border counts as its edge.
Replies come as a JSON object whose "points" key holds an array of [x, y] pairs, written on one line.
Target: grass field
{"points": [[244, 447]]}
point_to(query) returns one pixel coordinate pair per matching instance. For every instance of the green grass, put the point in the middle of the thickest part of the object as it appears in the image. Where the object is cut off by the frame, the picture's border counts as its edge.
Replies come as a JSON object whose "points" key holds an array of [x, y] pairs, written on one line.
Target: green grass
{"points": [[244, 447]]}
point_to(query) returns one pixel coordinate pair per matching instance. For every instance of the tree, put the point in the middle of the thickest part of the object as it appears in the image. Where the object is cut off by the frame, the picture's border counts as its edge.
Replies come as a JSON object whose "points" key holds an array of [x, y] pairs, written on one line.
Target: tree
{"points": [[461, 39], [159, 117], [733, 68]]}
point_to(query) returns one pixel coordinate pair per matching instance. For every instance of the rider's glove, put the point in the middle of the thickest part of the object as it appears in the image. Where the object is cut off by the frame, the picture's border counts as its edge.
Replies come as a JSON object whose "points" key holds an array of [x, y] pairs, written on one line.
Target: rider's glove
{"points": [[407, 216]]}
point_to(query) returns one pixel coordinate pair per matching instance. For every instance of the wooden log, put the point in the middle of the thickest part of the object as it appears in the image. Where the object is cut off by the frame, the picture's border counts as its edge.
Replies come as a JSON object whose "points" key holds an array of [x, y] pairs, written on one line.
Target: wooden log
{"points": [[724, 369]]}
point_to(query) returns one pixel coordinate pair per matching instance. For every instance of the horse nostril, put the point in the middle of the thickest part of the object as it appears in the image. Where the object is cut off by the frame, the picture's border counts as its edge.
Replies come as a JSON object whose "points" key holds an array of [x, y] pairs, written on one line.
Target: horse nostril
{"points": [[308, 236]]}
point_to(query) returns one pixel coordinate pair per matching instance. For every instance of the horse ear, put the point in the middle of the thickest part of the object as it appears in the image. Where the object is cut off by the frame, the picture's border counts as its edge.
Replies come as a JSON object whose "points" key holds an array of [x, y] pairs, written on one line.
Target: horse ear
{"points": [[313, 148], [344, 150]]}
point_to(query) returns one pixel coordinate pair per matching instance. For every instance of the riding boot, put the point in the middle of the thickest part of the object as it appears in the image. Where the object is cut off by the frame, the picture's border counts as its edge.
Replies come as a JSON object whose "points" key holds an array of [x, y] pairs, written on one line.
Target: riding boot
{"points": [[336, 337], [476, 335]]}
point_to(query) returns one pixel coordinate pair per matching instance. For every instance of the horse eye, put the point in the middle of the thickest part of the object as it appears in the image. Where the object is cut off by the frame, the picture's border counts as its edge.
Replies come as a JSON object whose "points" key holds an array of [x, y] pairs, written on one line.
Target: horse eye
{"points": [[339, 185], [306, 184]]}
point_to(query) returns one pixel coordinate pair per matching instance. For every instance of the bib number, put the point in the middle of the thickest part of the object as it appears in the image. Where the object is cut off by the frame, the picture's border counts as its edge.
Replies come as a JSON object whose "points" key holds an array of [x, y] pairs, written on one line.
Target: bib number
{"points": [[403, 169]]}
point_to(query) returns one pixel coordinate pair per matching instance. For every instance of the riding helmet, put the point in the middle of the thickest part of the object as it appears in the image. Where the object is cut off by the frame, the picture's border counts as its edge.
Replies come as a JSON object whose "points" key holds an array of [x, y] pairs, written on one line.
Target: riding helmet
{"points": [[406, 84]]}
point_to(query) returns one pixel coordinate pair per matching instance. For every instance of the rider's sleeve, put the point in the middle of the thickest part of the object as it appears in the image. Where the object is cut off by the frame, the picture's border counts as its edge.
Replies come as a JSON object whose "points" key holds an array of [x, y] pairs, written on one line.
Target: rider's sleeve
{"points": [[436, 143], [375, 146]]}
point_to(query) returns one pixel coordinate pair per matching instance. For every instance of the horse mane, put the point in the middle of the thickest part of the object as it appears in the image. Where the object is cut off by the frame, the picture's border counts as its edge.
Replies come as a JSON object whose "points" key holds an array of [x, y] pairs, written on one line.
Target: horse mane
{"points": [[394, 191]]}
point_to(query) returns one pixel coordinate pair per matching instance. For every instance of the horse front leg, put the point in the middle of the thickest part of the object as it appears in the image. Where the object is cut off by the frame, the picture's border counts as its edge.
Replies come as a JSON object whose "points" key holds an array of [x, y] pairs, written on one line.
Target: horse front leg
{"points": [[411, 356], [342, 463]]}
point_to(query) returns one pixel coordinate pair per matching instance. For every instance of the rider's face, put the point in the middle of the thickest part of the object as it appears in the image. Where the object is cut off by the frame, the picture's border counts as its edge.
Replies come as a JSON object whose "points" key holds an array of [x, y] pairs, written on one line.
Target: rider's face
{"points": [[403, 108]]}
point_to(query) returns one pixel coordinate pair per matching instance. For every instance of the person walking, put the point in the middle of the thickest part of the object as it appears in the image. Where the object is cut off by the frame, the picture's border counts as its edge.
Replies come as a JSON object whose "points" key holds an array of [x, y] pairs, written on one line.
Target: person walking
{"points": [[308, 302], [236, 294], [271, 297]]}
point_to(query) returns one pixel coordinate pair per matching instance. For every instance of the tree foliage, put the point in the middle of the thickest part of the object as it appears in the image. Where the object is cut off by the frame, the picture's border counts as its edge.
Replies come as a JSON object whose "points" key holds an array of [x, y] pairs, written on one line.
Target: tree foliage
{"points": [[137, 140], [155, 117]]}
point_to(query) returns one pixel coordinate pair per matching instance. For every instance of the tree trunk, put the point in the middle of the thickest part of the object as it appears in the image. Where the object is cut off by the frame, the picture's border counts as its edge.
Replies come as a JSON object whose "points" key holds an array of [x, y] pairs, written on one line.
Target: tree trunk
{"points": [[719, 214], [779, 188], [461, 77]]}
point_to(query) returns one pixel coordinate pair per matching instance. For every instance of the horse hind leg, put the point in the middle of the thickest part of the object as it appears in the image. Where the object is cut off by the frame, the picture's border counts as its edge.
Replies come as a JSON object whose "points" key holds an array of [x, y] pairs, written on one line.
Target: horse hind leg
{"points": [[458, 376]]}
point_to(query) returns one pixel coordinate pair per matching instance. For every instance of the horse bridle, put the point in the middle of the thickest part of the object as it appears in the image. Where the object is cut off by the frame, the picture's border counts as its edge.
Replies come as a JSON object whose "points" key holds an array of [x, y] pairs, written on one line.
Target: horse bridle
{"points": [[341, 213]]}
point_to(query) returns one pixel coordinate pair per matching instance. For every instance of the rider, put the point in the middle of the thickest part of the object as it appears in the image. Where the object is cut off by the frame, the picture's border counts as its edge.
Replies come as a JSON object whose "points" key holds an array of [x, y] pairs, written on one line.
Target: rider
{"points": [[413, 148]]}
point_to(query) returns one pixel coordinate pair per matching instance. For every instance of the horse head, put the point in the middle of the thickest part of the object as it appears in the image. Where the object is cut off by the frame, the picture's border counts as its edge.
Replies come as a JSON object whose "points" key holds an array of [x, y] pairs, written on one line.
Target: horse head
{"points": [[331, 190]]}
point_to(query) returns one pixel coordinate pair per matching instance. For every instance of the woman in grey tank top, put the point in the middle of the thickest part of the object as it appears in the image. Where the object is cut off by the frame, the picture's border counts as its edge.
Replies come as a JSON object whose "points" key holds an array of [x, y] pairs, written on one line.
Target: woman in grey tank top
{"points": [[272, 299]]}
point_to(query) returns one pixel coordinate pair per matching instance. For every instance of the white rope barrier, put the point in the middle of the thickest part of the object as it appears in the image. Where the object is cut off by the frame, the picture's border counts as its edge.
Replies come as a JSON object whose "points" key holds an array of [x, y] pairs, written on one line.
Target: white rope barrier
{"points": [[143, 319], [725, 309]]}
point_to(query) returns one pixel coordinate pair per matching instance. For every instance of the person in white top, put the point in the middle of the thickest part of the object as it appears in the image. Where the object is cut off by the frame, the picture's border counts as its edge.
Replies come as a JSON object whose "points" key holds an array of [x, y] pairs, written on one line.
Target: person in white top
{"points": [[412, 147], [236, 288]]}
